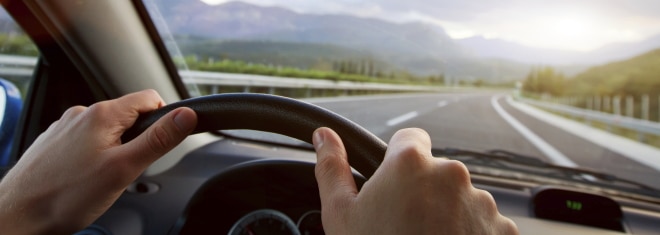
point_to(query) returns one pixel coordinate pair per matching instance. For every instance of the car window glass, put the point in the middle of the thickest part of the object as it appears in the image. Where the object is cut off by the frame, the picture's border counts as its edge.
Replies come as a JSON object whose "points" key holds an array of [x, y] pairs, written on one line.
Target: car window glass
{"points": [[18, 58], [574, 85]]}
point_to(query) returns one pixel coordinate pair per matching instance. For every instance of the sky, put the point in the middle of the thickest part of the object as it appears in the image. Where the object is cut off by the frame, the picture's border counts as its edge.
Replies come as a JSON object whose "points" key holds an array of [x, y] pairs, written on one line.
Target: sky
{"points": [[575, 25]]}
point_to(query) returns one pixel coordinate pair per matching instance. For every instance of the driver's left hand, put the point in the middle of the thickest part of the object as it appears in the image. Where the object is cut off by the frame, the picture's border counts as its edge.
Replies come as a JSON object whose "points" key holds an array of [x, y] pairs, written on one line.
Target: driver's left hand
{"points": [[78, 168]]}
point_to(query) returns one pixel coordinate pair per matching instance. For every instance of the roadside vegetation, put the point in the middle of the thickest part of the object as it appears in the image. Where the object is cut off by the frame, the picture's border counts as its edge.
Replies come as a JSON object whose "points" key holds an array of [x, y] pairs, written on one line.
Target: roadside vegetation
{"points": [[17, 43], [356, 71]]}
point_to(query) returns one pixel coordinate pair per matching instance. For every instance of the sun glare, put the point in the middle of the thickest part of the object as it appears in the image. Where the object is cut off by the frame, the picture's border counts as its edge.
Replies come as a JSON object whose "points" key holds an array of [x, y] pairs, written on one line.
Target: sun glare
{"points": [[568, 29], [572, 32], [214, 2], [567, 32]]}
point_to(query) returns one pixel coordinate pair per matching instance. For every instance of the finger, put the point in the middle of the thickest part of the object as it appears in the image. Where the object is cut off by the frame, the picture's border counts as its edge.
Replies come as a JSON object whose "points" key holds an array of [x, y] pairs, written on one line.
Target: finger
{"points": [[408, 147], [130, 106], [161, 137], [142, 101], [333, 173]]}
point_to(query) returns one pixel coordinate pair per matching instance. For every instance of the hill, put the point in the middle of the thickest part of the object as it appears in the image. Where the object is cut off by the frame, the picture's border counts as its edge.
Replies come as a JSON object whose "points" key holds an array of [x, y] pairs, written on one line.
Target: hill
{"points": [[636, 76]]}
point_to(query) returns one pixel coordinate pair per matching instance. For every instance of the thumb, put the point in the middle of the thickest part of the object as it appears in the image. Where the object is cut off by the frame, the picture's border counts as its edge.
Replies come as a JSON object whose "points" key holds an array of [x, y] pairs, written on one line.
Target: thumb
{"points": [[333, 173], [161, 137]]}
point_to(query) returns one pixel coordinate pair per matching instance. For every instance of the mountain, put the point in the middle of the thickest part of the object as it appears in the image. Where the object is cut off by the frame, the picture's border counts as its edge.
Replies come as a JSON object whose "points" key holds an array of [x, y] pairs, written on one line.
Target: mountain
{"points": [[417, 47], [238, 20], [279, 36], [233, 20]]}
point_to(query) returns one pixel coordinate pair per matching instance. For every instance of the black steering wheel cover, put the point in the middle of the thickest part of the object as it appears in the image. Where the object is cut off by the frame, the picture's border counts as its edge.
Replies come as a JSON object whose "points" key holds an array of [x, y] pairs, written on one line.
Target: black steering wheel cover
{"points": [[275, 114]]}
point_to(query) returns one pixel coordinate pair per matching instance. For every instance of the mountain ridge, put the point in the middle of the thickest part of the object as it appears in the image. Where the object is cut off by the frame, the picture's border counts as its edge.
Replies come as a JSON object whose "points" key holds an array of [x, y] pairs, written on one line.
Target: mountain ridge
{"points": [[241, 20], [499, 48], [418, 47]]}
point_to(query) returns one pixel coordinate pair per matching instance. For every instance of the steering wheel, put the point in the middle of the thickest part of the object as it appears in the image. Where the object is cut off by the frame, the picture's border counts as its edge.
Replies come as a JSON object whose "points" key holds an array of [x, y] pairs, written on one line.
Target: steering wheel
{"points": [[274, 114]]}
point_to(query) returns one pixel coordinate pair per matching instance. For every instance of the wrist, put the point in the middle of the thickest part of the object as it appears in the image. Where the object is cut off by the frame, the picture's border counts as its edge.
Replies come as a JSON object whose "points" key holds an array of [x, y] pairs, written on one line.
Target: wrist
{"points": [[20, 214]]}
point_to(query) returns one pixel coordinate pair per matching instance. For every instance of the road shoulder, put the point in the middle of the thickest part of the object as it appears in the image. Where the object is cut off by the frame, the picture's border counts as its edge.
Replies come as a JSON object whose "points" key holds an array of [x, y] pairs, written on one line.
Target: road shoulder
{"points": [[645, 154]]}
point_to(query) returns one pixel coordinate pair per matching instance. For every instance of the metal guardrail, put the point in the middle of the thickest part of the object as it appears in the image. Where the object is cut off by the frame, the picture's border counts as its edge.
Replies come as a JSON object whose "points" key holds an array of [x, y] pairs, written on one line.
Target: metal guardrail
{"points": [[16, 60], [638, 125], [17, 66], [22, 66], [16, 72], [230, 79]]}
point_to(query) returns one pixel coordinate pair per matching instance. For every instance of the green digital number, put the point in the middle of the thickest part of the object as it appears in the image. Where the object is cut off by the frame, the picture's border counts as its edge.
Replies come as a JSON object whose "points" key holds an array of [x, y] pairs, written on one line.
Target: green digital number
{"points": [[574, 205]]}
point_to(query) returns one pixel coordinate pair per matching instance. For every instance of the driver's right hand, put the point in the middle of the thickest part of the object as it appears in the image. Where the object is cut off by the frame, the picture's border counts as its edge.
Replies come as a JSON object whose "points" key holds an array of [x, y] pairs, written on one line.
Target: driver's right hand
{"points": [[412, 192]]}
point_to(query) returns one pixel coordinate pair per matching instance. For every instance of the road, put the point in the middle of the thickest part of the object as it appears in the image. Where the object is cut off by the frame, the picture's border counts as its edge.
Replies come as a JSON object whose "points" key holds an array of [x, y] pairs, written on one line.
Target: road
{"points": [[470, 120]]}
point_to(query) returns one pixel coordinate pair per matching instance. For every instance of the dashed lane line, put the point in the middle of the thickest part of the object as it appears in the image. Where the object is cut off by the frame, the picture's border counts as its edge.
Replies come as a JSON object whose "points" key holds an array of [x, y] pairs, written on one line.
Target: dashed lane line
{"points": [[402, 118]]}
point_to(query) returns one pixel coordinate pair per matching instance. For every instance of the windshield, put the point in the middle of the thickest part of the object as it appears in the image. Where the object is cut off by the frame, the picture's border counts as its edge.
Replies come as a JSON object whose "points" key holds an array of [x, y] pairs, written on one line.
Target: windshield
{"points": [[575, 84]]}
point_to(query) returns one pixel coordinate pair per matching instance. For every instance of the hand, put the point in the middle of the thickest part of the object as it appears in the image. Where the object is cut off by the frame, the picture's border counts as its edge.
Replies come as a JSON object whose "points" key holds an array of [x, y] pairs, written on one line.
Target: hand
{"points": [[78, 168], [411, 192]]}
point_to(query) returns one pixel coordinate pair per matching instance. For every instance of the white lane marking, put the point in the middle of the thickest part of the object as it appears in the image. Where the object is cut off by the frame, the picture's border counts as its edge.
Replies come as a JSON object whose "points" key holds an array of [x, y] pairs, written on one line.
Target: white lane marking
{"points": [[442, 103], [402, 118], [644, 154], [547, 149]]}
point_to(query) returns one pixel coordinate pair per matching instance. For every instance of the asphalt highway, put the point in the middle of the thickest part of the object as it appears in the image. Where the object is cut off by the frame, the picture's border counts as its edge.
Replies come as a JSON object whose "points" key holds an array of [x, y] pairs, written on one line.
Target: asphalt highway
{"points": [[471, 120]]}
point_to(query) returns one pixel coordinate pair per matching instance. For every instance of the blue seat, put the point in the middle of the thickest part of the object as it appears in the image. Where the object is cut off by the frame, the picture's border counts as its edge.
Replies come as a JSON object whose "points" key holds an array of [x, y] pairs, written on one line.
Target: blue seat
{"points": [[10, 112]]}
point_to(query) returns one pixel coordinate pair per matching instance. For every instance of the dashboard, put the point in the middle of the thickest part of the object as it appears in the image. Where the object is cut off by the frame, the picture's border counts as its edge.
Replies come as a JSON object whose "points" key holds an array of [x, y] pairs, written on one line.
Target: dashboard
{"points": [[236, 186], [274, 196]]}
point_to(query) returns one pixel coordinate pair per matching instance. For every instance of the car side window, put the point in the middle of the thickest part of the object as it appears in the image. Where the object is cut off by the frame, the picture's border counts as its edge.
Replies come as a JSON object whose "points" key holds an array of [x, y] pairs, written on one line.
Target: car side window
{"points": [[18, 59]]}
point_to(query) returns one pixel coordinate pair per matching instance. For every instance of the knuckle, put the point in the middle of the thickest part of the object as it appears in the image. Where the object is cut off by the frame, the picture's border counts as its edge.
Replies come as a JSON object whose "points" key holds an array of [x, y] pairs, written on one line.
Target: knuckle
{"points": [[413, 136], [411, 155], [99, 109], [487, 200], [412, 149], [408, 152], [485, 195], [457, 171], [74, 111], [508, 226], [417, 131]]}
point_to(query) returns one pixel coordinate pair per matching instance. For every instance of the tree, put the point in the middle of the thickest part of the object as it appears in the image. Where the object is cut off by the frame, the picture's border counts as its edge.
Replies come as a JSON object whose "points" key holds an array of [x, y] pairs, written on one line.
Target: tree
{"points": [[544, 80]]}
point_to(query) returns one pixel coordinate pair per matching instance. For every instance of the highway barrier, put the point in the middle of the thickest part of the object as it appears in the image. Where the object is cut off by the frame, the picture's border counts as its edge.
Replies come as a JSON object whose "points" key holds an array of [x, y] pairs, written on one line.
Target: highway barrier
{"points": [[21, 66], [642, 127]]}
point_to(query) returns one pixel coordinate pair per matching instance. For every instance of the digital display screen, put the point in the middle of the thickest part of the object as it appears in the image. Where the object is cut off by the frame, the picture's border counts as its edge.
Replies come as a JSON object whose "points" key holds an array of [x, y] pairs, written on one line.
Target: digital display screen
{"points": [[578, 208]]}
